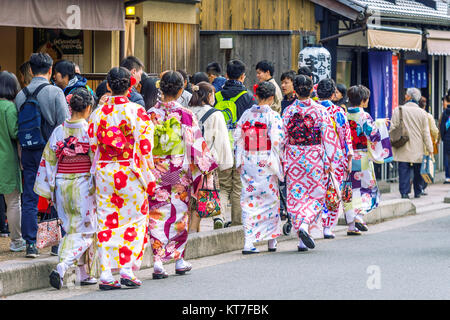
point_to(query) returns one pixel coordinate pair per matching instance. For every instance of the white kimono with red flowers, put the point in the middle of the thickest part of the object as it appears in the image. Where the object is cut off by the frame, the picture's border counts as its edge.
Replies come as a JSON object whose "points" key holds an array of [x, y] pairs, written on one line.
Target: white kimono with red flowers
{"points": [[257, 139], [121, 136], [181, 156], [64, 177]]}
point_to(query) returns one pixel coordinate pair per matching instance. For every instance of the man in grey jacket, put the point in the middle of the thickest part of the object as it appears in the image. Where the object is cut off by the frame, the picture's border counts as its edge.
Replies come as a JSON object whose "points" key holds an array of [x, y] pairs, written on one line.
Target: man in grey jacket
{"points": [[54, 110]]}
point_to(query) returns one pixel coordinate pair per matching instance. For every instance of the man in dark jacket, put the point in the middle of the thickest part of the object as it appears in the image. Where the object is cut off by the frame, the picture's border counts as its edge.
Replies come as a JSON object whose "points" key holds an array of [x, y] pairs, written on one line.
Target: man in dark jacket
{"points": [[67, 79], [136, 67], [444, 127], [230, 180], [287, 88]]}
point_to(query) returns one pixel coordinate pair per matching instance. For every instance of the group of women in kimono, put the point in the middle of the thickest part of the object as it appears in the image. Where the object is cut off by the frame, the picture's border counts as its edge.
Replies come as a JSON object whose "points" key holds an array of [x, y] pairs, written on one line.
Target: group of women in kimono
{"points": [[312, 145], [122, 177]]}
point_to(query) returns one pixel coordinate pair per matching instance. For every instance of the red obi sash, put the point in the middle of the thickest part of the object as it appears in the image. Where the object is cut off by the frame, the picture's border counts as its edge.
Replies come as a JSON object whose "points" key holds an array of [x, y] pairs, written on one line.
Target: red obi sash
{"points": [[256, 138], [73, 156]]}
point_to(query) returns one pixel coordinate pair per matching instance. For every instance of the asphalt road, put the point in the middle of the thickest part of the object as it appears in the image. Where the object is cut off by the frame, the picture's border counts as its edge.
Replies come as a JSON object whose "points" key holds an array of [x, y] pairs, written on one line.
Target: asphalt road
{"points": [[406, 258]]}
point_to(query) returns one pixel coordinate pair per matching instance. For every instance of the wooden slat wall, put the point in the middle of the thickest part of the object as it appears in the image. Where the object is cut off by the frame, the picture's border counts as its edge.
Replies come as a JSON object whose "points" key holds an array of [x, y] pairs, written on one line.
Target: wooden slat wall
{"points": [[257, 14], [172, 46], [250, 49]]}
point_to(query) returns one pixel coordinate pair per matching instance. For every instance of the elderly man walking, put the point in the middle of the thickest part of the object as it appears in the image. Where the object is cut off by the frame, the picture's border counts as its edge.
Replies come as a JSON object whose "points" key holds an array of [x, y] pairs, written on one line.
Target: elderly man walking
{"points": [[410, 155]]}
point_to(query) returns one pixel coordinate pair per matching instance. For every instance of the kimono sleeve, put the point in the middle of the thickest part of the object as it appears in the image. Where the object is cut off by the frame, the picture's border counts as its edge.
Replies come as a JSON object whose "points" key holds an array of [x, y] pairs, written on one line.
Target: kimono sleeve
{"points": [[347, 134], [381, 151], [142, 151], [330, 143], [239, 141], [201, 161], [276, 134], [44, 185]]}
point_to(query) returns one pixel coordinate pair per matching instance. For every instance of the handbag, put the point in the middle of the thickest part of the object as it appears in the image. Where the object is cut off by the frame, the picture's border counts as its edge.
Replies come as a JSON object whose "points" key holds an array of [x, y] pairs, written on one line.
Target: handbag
{"points": [[49, 232], [347, 192], [399, 136], [427, 169], [333, 195], [208, 200]]}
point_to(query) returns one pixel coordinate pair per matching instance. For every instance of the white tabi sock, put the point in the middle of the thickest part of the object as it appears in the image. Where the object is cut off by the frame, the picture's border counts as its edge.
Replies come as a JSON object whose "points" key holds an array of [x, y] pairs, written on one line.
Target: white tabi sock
{"points": [[327, 231], [305, 227], [301, 244], [128, 272], [158, 266], [106, 276], [351, 226], [359, 218], [180, 264], [248, 245], [83, 273], [62, 268]]}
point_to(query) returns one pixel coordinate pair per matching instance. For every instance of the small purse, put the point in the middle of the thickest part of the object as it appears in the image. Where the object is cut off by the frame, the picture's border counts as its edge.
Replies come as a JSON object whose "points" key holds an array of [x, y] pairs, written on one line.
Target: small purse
{"points": [[208, 200], [333, 196], [347, 192], [49, 232]]}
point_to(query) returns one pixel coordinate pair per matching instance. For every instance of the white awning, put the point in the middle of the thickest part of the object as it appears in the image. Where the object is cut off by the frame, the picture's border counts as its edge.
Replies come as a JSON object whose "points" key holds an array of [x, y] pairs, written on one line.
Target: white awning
{"points": [[394, 38], [438, 42], [105, 15]]}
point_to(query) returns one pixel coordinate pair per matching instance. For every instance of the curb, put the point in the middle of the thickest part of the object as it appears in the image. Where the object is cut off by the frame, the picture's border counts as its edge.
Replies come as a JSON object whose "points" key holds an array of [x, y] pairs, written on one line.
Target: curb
{"points": [[18, 276], [447, 198]]}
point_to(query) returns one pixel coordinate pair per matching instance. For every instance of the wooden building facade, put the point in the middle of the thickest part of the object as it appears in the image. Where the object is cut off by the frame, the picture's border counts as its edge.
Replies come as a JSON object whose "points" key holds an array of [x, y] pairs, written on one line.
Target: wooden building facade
{"points": [[274, 30]]}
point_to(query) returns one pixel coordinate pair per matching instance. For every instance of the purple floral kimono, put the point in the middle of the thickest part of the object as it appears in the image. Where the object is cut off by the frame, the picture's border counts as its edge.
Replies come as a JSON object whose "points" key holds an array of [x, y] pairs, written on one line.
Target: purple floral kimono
{"points": [[181, 156]]}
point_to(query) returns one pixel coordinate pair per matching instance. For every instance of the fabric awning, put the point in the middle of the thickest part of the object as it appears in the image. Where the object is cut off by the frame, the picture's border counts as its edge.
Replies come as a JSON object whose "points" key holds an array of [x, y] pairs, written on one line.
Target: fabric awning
{"points": [[107, 15], [409, 40], [438, 42]]}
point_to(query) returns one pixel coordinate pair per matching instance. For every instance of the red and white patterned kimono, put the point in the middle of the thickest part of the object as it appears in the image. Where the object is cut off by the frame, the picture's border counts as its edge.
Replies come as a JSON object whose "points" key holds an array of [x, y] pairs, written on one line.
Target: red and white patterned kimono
{"points": [[342, 127], [181, 156], [311, 148], [121, 136]]}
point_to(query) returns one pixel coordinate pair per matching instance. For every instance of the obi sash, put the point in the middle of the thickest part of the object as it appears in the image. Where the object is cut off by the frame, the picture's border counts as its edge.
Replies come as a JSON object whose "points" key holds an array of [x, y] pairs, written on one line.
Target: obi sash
{"points": [[72, 156], [302, 131], [256, 138], [167, 138]]}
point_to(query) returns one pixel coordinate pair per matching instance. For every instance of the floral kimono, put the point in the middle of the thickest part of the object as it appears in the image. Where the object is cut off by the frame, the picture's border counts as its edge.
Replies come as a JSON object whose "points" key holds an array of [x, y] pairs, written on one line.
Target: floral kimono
{"points": [[371, 142], [258, 136], [64, 177], [121, 136], [181, 156], [342, 127], [311, 149]]}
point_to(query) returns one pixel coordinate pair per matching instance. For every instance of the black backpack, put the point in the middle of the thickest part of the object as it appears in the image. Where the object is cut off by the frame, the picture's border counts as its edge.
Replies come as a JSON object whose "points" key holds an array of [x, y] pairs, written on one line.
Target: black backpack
{"points": [[31, 123]]}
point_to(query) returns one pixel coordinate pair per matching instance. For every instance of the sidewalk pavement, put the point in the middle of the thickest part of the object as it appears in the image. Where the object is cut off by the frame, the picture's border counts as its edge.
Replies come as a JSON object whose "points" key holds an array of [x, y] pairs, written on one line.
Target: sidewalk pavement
{"points": [[19, 274]]}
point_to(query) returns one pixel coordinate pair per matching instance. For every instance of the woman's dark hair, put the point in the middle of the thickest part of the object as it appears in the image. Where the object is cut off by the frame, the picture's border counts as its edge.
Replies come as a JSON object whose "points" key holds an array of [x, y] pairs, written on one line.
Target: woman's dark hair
{"points": [[265, 90], [81, 99], [199, 77], [171, 82], [306, 71], [325, 89], [9, 86], [214, 68], [358, 94], [150, 92], [200, 96], [342, 89], [102, 89], [119, 80], [303, 86]]}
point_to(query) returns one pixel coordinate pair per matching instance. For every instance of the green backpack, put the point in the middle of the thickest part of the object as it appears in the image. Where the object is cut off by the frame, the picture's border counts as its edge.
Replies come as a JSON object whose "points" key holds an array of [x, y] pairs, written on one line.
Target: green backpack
{"points": [[229, 111]]}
